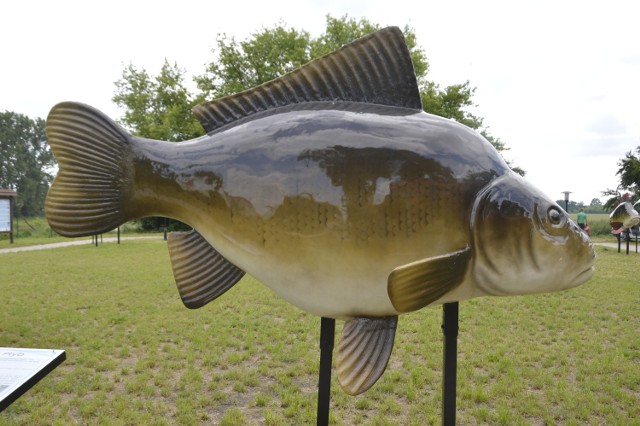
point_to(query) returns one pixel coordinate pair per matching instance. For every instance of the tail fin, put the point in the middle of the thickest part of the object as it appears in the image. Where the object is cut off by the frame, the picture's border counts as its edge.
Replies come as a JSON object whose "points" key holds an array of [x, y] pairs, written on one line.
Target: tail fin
{"points": [[88, 196]]}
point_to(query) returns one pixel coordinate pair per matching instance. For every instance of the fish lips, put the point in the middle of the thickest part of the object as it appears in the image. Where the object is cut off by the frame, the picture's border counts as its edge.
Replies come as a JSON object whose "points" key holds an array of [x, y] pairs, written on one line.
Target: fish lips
{"points": [[583, 276]]}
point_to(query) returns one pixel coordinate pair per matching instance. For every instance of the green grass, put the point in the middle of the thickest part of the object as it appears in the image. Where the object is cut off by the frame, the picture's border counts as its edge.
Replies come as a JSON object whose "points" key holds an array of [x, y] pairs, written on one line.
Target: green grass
{"points": [[136, 355]]}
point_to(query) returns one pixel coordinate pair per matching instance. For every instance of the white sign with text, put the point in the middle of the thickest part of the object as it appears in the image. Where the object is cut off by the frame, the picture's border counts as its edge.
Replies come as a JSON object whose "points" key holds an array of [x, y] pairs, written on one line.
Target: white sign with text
{"points": [[5, 216]]}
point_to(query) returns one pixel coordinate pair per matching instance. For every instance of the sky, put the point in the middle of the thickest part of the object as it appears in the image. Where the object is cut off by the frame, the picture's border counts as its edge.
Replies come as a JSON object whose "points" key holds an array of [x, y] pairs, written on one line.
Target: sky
{"points": [[557, 81]]}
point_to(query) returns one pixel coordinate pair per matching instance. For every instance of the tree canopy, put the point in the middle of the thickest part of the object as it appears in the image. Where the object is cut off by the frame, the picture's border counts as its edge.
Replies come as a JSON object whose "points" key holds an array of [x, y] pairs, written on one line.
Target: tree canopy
{"points": [[629, 175], [629, 172], [159, 106], [25, 161]]}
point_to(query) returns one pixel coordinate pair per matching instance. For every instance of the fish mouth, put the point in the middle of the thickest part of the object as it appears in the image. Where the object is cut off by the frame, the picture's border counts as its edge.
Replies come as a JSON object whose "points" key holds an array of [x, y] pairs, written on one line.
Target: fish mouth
{"points": [[588, 272], [583, 276]]}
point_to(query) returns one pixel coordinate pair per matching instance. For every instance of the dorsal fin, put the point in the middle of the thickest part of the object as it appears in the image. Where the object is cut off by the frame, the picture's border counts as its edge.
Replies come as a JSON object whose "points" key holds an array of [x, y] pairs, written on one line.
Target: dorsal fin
{"points": [[375, 69], [202, 274]]}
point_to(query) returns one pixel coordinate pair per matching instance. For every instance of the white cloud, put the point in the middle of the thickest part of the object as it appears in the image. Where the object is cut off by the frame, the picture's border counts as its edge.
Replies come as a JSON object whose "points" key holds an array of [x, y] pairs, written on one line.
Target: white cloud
{"points": [[607, 125]]}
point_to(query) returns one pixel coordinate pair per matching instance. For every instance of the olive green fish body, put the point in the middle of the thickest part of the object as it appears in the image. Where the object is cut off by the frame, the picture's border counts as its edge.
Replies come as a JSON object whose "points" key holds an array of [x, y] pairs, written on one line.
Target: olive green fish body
{"points": [[324, 203]]}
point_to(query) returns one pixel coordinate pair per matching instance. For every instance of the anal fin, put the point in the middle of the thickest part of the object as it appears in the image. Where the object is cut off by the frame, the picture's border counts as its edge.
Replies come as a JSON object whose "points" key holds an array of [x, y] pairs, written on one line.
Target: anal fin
{"points": [[201, 273], [418, 284], [364, 351]]}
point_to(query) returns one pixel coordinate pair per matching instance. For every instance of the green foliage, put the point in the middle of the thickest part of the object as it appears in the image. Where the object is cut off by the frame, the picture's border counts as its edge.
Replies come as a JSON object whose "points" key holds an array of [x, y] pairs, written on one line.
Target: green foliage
{"points": [[136, 355], [275, 51], [241, 65], [157, 107], [266, 55], [450, 102], [157, 224], [616, 197], [339, 32], [629, 173], [25, 161], [574, 206]]}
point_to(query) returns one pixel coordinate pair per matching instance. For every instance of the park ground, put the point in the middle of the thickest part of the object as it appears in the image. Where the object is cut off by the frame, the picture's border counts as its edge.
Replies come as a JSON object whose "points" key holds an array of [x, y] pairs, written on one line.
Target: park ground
{"points": [[136, 355]]}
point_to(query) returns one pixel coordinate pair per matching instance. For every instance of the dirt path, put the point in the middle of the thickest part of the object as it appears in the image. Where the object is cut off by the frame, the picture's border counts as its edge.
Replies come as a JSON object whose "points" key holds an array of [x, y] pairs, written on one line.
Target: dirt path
{"points": [[623, 246], [68, 243]]}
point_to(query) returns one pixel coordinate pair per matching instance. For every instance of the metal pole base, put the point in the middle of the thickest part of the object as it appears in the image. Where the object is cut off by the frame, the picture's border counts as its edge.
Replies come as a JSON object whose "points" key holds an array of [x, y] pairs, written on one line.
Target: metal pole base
{"points": [[327, 334], [450, 361]]}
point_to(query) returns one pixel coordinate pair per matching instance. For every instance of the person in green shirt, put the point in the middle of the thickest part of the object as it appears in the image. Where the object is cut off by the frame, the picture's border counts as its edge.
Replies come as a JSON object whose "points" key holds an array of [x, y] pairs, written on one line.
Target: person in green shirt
{"points": [[582, 219]]}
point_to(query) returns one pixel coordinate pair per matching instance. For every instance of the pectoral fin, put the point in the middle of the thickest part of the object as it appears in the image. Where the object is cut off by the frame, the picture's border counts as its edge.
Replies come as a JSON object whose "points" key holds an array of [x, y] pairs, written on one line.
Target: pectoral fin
{"points": [[420, 283], [363, 352], [202, 274]]}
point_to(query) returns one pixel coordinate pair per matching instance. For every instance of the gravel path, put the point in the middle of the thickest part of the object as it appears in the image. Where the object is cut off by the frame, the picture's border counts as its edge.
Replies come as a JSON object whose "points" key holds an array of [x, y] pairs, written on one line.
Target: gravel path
{"points": [[67, 244]]}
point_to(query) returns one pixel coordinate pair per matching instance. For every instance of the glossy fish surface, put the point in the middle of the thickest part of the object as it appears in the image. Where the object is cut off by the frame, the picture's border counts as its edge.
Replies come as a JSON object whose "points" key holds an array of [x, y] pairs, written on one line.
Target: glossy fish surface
{"points": [[624, 216], [333, 188]]}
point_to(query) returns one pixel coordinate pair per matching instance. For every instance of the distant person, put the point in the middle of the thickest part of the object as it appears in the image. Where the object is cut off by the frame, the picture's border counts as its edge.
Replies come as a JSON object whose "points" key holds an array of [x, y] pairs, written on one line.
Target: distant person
{"points": [[582, 219]]}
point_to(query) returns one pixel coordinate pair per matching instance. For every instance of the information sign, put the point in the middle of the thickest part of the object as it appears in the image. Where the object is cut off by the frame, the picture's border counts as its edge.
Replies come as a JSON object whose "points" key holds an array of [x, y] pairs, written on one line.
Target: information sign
{"points": [[5, 215], [20, 369]]}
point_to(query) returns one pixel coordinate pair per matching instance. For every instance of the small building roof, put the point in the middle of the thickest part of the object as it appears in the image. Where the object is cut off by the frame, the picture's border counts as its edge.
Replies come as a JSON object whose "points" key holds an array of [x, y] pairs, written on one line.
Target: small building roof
{"points": [[7, 193]]}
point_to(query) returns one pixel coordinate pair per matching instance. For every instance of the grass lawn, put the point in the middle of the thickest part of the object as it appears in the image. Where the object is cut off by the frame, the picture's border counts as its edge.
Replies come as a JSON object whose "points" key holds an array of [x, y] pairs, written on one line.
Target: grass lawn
{"points": [[136, 355]]}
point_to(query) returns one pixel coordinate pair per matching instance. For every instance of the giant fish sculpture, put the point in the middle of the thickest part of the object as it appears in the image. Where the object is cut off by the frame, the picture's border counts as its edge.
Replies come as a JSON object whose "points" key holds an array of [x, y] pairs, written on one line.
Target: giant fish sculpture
{"points": [[624, 216], [331, 186]]}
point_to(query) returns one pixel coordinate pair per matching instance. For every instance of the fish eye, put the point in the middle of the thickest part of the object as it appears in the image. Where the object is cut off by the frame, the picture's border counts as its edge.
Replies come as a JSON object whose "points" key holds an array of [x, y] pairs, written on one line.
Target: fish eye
{"points": [[555, 216]]}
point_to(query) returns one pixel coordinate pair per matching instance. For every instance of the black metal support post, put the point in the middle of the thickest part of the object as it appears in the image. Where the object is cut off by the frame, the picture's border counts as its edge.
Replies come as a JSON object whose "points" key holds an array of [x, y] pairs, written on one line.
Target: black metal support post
{"points": [[450, 361], [118, 235], [628, 239], [165, 229], [327, 336]]}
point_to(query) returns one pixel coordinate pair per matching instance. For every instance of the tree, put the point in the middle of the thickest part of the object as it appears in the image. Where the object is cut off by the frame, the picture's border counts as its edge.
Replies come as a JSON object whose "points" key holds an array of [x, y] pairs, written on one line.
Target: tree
{"points": [[159, 107], [275, 51], [596, 202], [25, 161], [241, 65], [629, 173], [573, 206]]}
